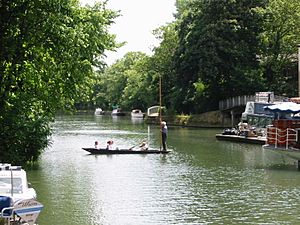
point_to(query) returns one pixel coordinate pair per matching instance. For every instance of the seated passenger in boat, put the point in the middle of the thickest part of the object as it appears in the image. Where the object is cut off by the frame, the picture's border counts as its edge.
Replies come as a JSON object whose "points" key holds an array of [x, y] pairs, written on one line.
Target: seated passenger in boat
{"points": [[143, 146], [243, 128], [110, 145], [252, 132]]}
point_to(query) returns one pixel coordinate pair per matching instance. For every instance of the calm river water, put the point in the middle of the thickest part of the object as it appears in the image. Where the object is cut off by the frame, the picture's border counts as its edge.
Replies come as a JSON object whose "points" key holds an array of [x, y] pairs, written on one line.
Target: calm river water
{"points": [[203, 181]]}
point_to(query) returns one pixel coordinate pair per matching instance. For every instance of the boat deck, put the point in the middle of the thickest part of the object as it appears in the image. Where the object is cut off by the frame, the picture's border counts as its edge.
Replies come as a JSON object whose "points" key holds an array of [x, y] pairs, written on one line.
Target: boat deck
{"points": [[236, 138]]}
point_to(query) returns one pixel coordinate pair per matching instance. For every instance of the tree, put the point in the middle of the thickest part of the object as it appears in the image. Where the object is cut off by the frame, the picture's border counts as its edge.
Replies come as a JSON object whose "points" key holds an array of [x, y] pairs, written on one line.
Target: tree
{"points": [[280, 39], [123, 81], [217, 53], [48, 49], [137, 93], [161, 63]]}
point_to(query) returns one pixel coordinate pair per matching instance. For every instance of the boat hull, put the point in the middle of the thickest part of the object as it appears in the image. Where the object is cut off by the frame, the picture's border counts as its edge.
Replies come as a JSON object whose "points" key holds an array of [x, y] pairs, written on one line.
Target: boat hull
{"points": [[292, 153], [102, 151], [137, 115], [117, 112], [243, 139]]}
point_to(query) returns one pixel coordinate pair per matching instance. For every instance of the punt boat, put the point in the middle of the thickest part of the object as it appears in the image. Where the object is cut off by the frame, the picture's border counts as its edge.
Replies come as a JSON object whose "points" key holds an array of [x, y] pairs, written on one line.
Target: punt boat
{"points": [[104, 151]]}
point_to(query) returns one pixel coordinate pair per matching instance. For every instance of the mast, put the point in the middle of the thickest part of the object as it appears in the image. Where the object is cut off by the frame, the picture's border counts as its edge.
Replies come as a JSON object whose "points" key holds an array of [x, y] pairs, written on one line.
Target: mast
{"points": [[11, 182]]}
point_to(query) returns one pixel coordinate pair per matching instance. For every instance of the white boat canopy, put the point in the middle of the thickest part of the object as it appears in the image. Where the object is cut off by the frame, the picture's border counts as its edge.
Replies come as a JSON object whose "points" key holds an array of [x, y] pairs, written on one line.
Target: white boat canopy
{"points": [[153, 111], [284, 107]]}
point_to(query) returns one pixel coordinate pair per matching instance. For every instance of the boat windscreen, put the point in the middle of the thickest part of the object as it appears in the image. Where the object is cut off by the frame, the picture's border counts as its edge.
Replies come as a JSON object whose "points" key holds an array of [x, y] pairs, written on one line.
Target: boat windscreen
{"points": [[5, 185], [259, 109]]}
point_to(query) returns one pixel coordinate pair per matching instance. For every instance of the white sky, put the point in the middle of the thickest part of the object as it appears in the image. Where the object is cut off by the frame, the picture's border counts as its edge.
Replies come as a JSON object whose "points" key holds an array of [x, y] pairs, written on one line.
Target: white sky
{"points": [[137, 21]]}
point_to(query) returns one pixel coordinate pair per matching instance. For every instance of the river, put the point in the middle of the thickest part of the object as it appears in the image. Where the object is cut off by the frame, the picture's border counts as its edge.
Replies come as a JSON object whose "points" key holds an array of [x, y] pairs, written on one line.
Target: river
{"points": [[203, 181]]}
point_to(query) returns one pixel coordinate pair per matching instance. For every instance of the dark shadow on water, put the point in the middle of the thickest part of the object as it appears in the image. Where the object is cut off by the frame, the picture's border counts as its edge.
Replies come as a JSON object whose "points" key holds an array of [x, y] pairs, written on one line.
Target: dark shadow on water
{"points": [[283, 167], [31, 166]]}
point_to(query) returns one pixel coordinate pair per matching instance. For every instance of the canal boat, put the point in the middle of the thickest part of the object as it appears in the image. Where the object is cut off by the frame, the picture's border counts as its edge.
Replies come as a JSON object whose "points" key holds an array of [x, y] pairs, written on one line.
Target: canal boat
{"points": [[104, 151], [283, 136], [117, 112], [254, 120], [18, 204], [255, 114]]}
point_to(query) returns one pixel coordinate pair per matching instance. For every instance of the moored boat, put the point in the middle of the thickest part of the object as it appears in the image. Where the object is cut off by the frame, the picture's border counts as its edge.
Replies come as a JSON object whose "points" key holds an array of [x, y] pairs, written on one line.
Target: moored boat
{"points": [[154, 111], [137, 113], [105, 151], [117, 112], [283, 136], [18, 204], [254, 120], [243, 139], [98, 112], [254, 113]]}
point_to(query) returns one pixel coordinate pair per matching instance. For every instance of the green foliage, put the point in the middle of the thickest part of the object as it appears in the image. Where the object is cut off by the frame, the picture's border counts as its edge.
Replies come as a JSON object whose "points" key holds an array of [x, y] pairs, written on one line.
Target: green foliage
{"points": [[212, 51], [218, 46], [280, 39], [124, 83], [133, 81], [162, 62], [23, 137], [47, 52]]}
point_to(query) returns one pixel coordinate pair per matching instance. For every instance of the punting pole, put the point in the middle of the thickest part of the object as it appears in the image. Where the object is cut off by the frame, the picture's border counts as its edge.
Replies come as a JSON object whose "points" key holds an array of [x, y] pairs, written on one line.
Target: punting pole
{"points": [[12, 182], [160, 113], [298, 164]]}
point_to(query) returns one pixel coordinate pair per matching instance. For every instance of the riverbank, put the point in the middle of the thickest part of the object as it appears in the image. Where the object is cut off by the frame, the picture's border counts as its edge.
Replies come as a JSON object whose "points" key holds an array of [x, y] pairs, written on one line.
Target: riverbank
{"points": [[213, 119]]}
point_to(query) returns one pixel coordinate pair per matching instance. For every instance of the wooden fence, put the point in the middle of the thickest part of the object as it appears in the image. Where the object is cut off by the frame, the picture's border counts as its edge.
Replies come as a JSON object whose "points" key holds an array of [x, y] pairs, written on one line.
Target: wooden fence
{"points": [[235, 102]]}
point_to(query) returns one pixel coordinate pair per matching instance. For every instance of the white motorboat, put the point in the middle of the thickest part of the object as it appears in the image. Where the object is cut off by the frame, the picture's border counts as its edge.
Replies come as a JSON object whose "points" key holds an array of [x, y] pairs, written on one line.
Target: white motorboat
{"points": [[137, 113], [18, 204], [98, 111], [117, 112]]}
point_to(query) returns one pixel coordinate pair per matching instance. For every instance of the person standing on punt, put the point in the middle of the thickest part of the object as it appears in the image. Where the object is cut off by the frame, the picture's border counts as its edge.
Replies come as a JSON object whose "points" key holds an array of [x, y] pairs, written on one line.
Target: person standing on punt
{"points": [[164, 132]]}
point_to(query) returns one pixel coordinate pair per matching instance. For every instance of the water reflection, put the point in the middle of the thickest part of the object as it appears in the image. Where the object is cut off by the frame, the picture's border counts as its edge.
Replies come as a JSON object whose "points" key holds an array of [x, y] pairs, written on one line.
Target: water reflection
{"points": [[203, 181], [137, 120]]}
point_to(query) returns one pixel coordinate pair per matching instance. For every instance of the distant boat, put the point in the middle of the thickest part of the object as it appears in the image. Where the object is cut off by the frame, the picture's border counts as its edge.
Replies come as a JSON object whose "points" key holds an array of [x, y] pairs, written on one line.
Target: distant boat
{"points": [[117, 112], [137, 113], [105, 151], [154, 112], [99, 111]]}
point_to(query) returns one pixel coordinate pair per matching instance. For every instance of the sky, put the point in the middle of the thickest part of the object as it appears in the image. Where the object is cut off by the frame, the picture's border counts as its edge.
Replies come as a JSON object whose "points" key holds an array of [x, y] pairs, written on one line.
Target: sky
{"points": [[135, 25]]}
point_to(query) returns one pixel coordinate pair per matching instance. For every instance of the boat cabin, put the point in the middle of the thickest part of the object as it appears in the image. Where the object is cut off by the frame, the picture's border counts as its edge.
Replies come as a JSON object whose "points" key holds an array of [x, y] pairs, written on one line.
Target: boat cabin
{"points": [[18, 204], [117, 112], [98, 111], [13, 183], [255, 114], [284, 132], [137, 113]]}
